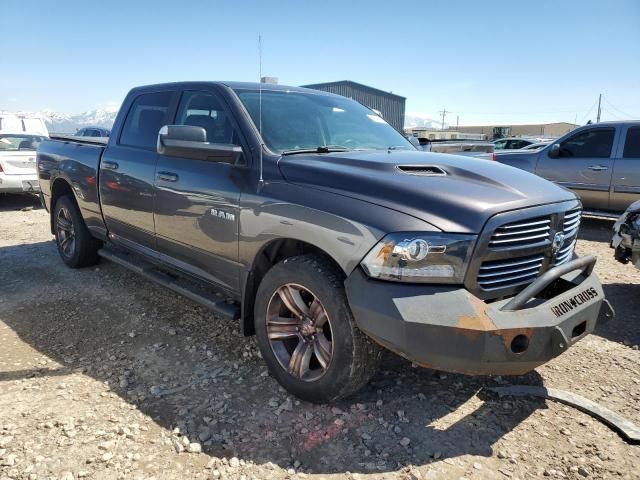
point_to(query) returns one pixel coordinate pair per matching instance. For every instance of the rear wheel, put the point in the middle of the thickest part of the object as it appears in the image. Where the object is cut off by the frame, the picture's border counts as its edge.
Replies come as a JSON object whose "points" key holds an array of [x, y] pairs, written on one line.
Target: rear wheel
{"points": [[307, 334], [75, 244]]}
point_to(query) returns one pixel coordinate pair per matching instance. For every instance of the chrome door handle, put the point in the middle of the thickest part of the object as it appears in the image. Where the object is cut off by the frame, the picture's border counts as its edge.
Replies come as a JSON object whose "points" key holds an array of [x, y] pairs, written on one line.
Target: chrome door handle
{"points": [[110, 165], [598, 168], [168, 176]]}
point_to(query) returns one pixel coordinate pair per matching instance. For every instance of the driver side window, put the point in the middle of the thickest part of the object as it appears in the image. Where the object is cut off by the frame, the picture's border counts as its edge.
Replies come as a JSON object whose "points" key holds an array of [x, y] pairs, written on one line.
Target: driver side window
{"points": [[593, 143], [206, 110]]}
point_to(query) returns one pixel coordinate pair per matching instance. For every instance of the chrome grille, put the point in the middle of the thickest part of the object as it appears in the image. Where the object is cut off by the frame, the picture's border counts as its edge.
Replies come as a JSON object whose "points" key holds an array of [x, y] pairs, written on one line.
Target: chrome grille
{"points": [[571, 222], [521, 234], [500, 274], [565, 254], [517, 249]]}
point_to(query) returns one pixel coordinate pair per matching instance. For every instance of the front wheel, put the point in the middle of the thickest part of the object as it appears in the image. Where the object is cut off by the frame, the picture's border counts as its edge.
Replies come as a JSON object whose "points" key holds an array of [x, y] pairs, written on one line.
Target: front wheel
{"points": [[307, 334]]}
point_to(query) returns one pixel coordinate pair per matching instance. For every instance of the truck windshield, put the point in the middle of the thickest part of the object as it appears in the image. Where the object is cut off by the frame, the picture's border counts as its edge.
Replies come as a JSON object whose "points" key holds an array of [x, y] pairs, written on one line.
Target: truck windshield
{"points": [[294, 121], [19, 142]]}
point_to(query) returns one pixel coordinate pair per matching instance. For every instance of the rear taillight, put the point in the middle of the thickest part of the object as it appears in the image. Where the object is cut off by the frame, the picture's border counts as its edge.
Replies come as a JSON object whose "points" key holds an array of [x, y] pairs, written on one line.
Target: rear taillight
{"points": [[493, 156], [1, 168]]}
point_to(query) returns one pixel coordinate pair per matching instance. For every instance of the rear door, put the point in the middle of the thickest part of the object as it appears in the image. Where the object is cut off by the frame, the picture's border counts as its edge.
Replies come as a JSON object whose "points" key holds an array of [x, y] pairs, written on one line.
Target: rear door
{"points": [[585, 165], [127, 170], [197, 201], [626, 170]]}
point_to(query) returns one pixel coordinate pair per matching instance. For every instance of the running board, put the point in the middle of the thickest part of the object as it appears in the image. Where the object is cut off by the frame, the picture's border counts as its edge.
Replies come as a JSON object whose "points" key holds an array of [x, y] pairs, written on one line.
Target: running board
{"points": [[187, 288], [598, 213]]}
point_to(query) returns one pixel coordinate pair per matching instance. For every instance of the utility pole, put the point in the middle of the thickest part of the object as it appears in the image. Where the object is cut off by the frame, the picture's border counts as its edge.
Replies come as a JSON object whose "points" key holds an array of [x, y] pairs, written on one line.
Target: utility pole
{"points": [[443, 113], [457, 122], [599, 110]]}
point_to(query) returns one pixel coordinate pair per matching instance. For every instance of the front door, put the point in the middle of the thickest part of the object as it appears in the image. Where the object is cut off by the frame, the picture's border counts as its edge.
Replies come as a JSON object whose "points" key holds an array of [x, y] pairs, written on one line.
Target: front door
{"points": [[584, 165], [127, 171], [197, 201]]}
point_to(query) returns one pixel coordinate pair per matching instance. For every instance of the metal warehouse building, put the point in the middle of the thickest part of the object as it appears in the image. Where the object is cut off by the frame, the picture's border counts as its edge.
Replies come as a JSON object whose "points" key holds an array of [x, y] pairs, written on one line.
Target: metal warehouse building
{"points": [[390, 105]]}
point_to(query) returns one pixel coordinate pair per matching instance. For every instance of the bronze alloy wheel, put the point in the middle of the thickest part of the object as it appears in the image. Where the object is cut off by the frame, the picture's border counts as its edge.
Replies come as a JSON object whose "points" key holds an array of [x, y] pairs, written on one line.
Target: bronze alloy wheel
{"points": [[65, 232], [299, 332]]}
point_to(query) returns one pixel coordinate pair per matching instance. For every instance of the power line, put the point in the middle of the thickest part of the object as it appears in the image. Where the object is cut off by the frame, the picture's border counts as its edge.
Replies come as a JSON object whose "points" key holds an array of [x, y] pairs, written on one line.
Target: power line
{"points": [[617, 117], [617, 109], [588, 112], [517, 113]]}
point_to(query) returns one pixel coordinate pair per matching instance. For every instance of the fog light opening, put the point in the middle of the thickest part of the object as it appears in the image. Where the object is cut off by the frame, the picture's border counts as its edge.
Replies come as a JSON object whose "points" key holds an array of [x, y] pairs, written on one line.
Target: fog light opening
{"points": [[519, 344], [579, 329]]}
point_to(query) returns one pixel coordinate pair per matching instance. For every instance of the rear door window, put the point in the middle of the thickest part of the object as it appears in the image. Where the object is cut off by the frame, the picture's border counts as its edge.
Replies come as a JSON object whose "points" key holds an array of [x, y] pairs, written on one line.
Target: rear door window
{"points": [[593, 143], [148, 113], [632, 143]]}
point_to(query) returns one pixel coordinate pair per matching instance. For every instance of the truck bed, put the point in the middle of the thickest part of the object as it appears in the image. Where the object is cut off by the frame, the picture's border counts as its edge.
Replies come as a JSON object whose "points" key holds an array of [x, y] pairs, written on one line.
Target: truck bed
{"points": [[76, 139], [75, 160]]}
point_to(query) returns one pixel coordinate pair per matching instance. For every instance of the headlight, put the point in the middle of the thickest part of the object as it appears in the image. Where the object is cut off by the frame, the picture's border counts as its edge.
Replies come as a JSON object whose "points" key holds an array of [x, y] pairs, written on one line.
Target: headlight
{"points": [[420, 257]]}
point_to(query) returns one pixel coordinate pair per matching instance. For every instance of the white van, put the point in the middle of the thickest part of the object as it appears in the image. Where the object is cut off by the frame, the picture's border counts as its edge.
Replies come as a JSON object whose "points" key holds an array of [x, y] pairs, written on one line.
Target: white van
{"points": [[20, 136]]}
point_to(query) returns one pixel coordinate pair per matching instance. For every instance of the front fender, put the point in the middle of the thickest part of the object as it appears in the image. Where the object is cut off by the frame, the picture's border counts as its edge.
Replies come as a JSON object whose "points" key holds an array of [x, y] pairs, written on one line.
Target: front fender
{"points": [[343, 227]]}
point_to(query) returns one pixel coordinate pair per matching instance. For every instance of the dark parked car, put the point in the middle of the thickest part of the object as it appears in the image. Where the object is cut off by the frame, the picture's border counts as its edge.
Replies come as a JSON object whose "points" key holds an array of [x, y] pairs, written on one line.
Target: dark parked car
{"points": [[326, 233], [93, 132], [600, 162]]}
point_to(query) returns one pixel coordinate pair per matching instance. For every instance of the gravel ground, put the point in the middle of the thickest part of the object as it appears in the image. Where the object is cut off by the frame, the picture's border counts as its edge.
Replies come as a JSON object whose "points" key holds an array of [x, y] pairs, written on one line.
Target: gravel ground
{"points": [[104, 375]]}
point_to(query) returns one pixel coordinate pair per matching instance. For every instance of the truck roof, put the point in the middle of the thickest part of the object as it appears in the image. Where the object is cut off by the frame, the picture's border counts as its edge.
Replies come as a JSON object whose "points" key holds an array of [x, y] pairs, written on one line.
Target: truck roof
{"points": [[233, 85]]}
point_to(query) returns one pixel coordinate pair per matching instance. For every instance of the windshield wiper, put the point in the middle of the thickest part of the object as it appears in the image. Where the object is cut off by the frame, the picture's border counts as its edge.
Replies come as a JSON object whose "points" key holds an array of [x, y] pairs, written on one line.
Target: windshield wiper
{"points": [[320, 149]]}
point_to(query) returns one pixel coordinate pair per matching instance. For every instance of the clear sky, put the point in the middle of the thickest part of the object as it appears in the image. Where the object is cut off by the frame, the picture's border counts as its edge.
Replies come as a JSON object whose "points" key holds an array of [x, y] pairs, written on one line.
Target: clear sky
{"points": [[485, 61]]}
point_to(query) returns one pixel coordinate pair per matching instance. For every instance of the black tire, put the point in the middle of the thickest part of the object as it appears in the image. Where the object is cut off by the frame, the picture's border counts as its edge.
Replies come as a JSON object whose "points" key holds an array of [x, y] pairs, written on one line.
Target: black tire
{"points": [[354, 357], [75, 244]]}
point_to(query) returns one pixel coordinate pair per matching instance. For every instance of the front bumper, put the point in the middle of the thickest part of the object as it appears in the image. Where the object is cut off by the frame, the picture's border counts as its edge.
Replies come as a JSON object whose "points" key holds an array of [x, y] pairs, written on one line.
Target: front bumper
{"points": [[448, 328], [19, 183]]}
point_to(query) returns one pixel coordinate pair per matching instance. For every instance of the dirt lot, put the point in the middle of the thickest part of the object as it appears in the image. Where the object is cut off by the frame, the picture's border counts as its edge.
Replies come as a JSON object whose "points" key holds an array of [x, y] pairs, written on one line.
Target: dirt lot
{"points": [[105, 375]]}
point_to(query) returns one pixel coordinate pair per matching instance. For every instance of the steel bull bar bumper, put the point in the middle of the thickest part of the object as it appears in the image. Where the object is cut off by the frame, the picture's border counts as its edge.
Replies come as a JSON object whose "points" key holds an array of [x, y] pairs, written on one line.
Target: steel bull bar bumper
{"points": [[448, 328]]}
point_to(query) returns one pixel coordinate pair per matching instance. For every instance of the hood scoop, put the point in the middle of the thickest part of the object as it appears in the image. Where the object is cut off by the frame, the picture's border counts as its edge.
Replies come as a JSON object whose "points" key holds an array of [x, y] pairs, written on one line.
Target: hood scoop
{"points": [[422, 170]]}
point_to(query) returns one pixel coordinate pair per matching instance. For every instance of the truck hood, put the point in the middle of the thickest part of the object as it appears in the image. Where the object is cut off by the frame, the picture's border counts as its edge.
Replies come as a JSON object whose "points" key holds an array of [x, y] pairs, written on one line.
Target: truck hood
{"points": [[455, 194]]}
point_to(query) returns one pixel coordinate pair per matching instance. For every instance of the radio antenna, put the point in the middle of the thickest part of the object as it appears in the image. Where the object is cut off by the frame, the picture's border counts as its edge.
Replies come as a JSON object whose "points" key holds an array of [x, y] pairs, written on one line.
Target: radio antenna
{"points": [[261, 183]]}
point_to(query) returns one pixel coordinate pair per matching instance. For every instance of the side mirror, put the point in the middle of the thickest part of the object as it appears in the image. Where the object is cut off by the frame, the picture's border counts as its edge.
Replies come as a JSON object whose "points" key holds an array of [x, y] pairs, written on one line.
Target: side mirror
{"points": [[554, 152], [188, 141]]}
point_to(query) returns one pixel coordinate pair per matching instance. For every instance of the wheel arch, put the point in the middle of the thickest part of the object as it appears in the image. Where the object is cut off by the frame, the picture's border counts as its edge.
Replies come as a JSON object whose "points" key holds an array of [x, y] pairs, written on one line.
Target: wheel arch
{"points": [[59, 188], [269, 255]]}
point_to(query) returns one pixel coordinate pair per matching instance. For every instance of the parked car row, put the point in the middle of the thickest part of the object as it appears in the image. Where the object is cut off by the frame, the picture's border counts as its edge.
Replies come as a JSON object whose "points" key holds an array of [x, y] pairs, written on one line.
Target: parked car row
{"points": [[517, 143], [467, 148]]}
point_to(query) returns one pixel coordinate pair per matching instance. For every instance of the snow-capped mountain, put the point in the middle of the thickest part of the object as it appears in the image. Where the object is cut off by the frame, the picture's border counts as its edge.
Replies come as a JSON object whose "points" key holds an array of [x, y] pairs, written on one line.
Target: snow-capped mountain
{"points": [[58, 122], [422, 120]]}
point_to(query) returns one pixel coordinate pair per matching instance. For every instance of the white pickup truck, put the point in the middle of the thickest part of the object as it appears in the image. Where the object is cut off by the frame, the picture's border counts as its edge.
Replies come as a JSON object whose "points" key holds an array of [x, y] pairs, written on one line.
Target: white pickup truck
{"points": [[20, 136]]}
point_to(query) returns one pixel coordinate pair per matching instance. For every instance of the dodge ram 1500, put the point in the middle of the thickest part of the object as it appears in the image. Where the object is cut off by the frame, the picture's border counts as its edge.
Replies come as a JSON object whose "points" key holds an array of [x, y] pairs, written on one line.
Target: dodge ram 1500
{"points": [[309, 219]]}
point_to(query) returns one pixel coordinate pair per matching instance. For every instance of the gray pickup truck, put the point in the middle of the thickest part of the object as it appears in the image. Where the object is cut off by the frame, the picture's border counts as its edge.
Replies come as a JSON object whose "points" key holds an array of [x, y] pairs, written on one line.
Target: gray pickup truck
{"points": [[306, 217], [598, 161]]}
